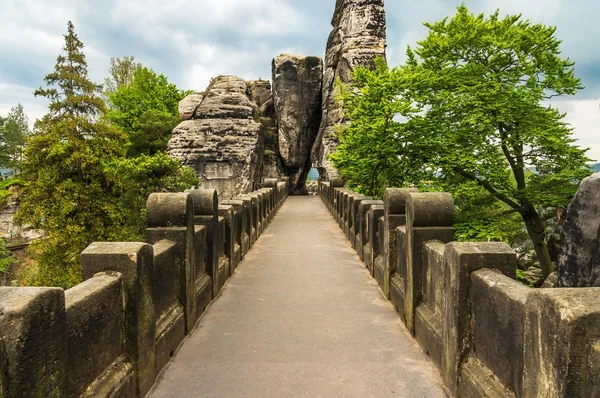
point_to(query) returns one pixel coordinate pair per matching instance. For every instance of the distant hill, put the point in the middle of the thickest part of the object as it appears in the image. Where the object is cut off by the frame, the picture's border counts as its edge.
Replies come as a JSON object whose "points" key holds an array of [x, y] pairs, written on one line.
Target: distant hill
{"points": [[594, 166]]}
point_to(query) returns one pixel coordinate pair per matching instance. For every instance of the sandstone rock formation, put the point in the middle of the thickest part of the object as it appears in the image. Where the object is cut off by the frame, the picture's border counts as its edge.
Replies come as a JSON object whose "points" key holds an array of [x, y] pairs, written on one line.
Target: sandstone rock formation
{"points": [[260, 92], [357, 39], [220, 138], [297, 97], [579, 254]]}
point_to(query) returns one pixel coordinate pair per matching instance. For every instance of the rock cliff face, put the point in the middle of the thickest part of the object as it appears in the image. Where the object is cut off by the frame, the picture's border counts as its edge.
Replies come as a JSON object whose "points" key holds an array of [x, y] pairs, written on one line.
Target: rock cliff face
{"points": [[297, 98], [579, 252], [260, 92], [357, 39], [220, 138], [238, 133]]}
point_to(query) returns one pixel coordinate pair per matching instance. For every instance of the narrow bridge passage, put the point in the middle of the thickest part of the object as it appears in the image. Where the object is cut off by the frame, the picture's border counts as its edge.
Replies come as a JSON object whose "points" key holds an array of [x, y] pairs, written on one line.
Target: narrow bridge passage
{"points": [[300, 318]]}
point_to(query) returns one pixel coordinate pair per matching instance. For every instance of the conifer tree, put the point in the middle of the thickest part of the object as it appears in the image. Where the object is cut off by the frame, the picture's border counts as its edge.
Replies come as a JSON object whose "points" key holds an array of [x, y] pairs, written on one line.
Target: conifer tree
{"points": [[67, 188]]}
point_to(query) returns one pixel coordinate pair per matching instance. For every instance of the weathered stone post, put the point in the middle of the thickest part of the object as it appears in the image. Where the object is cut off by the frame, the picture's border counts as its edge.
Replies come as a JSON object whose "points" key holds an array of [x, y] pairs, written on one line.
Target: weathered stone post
{"points": [[170, 216], [429, 216], [355, 219], [562, 343], [135, 263], [394, 200], [227, 213], [362, 240], [371, 250], [256, 211], [461, 259], [33, 344], [247, 224], [240, 220], [206, 213]]}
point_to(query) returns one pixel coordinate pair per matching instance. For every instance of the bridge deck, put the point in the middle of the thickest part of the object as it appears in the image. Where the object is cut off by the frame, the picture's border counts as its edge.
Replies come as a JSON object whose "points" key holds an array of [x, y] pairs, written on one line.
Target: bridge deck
{"points": [[300, 318]]}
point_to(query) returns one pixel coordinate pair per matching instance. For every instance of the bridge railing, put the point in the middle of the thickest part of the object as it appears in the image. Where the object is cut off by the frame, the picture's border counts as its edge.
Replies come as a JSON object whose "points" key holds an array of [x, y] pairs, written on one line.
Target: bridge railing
{"points": [[112, 334], [488, 334]]}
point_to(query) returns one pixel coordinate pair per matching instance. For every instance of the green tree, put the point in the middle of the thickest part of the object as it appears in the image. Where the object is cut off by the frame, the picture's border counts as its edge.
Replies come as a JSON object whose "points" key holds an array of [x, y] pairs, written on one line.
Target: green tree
{"points": [[377, 150], [147, 110], [14, 131], [66, 186], [483, 82], [121, 73]]}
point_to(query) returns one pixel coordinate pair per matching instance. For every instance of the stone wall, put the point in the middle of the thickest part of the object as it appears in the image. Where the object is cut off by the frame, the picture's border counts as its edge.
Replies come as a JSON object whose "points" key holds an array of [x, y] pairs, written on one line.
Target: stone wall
{"points": [[111, 335], [489, 335]]}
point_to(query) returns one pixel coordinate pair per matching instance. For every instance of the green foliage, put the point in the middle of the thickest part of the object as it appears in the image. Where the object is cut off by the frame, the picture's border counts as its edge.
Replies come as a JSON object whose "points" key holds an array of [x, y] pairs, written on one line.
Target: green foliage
{"points": [[377, 151], [6, 257], [7, 190], [473, 93], [483, 82], [14, 130], [146, 109], [121, 73], [77, 182], [141, 176], [66, 187]]}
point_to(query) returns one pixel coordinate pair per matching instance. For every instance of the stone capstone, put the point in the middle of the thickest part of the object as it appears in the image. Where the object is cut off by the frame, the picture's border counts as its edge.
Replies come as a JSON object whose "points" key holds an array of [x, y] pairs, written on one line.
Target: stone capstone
{"points": [[297, 84], [579, 252], [357, 39], [222, 141]]}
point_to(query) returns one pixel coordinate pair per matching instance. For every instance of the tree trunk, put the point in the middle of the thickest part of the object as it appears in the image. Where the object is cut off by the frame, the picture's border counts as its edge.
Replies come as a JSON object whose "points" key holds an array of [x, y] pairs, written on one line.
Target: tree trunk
{"points": [[537, 233]]}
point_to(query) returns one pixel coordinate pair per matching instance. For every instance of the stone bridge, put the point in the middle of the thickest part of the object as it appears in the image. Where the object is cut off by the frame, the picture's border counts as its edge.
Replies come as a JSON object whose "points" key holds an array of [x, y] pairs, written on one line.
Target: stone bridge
{"points": [[408, 313]]}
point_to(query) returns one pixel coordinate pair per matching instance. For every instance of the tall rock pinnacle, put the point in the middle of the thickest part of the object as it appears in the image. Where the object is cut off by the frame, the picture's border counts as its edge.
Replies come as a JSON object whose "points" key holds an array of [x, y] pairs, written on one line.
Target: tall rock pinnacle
{"points": [[357, 39]]}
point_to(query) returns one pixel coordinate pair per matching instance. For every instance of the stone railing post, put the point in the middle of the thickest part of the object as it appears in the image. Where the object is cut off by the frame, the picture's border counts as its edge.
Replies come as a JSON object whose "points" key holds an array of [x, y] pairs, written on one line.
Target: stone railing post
{"points": [[461, 259], [171, 216], [362, 238], [226, 212], [206, 213], [371, 250], [33, 344], [561, 350], [394, 203], [429, 216], [135, 263], [240, 219]]}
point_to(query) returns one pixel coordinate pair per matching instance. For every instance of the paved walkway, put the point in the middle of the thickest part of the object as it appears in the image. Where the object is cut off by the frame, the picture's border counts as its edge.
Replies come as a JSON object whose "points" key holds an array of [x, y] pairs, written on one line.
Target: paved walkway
{"points": [[300, 318]]}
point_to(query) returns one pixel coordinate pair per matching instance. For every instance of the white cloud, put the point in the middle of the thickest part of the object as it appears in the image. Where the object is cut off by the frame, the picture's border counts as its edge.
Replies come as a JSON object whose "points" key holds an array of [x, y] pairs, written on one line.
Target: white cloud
{"points": [[192, 41], [584, 117]]}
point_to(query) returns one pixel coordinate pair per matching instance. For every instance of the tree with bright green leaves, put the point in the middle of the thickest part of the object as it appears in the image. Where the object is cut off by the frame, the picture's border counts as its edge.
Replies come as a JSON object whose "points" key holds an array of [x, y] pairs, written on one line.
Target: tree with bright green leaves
{"points": [[146, 109], [121, 73], [67, 188], [484, 128], [376, 149], [485, 82], [14, 130]]}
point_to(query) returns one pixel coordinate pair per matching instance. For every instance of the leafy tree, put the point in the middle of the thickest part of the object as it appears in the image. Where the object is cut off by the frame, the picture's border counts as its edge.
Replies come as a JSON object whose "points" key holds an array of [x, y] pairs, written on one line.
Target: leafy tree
{"points": [[139, 177], [66, 187], [121, 73], [484, 83], [147, 110], [6, 257], [376, 150], [14, 131]]}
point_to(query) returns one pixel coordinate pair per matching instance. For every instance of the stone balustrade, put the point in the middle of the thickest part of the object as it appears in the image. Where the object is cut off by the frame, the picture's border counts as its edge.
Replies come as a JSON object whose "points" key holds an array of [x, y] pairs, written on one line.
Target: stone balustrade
{"points": [[111, 335], [489, 335]]}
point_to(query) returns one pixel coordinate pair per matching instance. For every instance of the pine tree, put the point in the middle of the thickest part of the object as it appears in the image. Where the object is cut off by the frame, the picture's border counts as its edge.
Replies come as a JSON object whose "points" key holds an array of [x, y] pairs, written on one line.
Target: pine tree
{"points": [[14, 133], [67, 188]]}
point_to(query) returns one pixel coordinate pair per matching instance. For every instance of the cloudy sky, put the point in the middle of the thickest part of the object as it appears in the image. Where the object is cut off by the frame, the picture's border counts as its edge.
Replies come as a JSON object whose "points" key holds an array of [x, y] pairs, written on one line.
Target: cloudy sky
{"points": [[191, 41]]}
